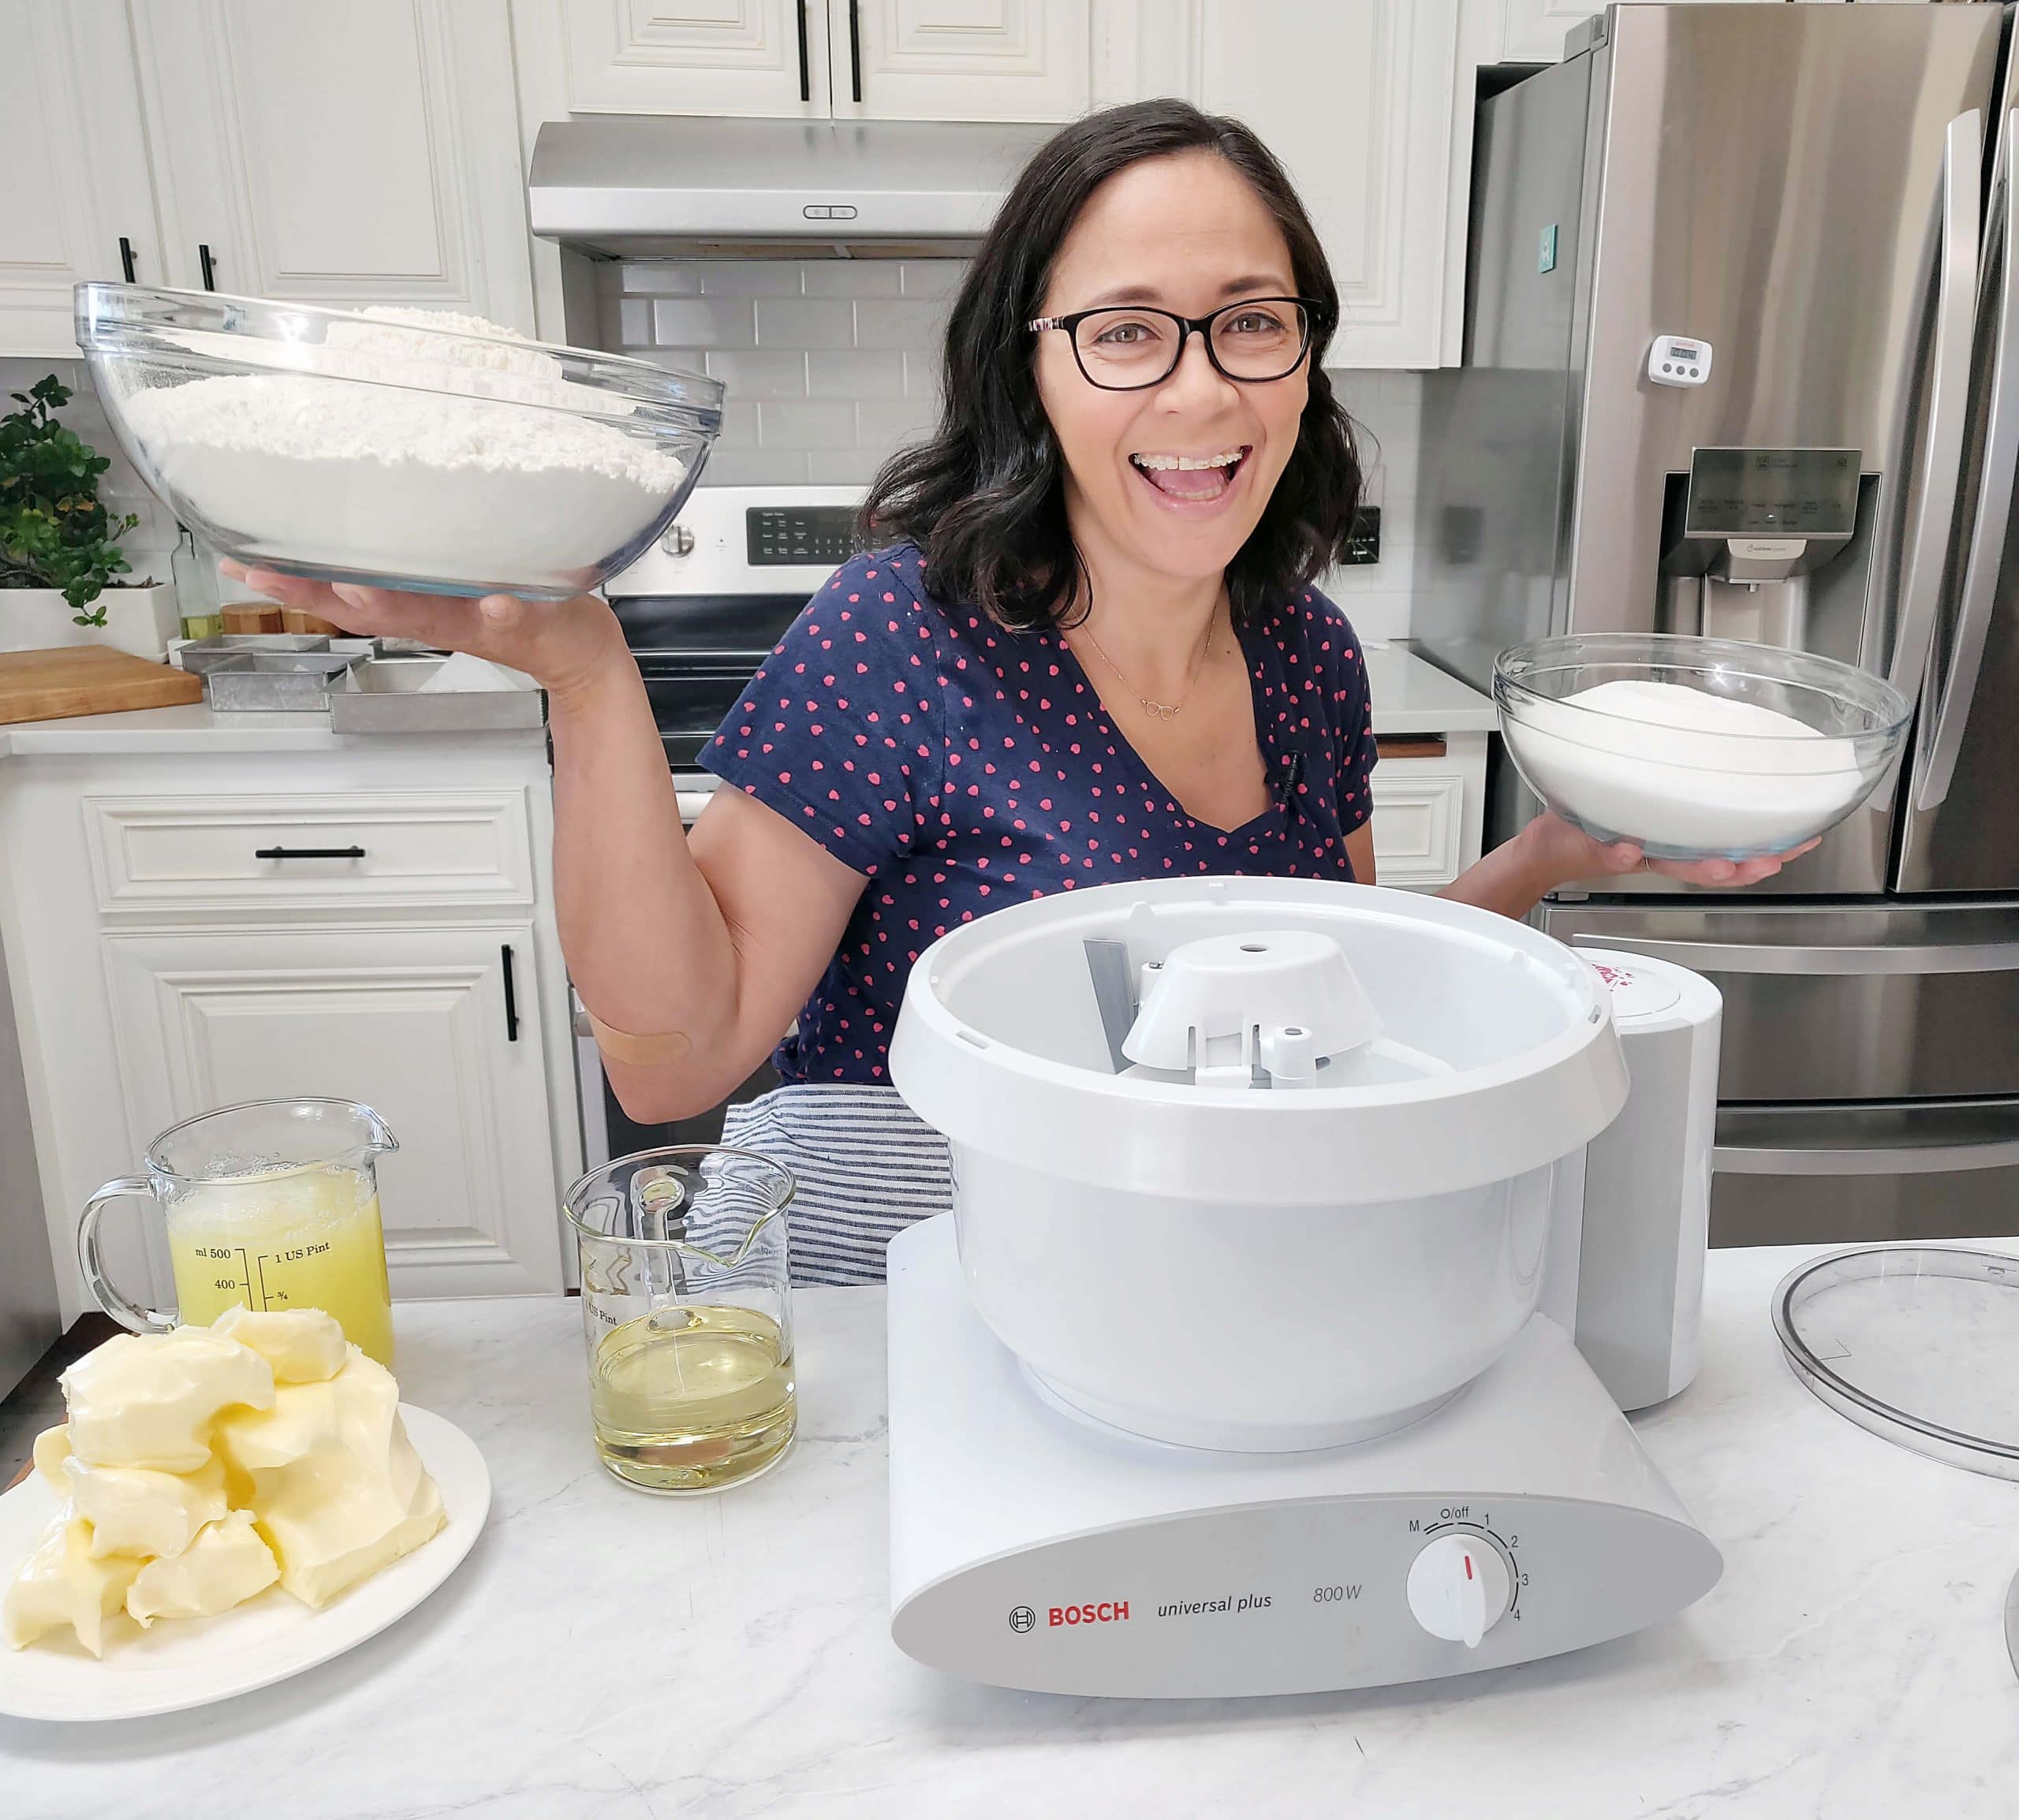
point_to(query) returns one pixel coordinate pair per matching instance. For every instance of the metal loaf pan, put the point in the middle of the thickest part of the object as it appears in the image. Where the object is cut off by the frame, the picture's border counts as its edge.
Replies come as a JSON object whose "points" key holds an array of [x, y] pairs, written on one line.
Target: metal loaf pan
{"points": [[271, 681], [384, 696]]}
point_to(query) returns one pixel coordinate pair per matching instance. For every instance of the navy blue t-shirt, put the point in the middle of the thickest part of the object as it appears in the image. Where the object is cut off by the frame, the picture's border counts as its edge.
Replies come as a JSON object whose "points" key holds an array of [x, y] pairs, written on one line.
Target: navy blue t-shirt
{"points": [[960, 767]]}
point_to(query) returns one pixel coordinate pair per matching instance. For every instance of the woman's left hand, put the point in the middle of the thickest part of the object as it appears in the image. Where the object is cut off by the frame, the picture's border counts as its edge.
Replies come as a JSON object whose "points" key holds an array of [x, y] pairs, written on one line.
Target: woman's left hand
{"points": [[1563, 855]]}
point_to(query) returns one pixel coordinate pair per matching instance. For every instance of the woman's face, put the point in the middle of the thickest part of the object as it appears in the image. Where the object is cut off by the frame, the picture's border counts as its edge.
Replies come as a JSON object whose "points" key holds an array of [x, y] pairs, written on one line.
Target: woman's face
{"points": [[1184, 232]]}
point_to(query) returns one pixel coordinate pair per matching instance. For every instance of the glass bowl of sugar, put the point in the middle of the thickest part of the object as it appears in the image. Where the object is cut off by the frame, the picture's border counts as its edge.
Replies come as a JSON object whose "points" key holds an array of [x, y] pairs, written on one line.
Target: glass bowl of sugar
{"points": [[1696, 748], [394, 447]]}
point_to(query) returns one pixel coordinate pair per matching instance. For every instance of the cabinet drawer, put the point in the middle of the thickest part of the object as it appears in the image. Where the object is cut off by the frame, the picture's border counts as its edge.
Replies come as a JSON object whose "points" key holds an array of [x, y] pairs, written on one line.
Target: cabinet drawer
{"points": [[1418, 822], [400, 848]]}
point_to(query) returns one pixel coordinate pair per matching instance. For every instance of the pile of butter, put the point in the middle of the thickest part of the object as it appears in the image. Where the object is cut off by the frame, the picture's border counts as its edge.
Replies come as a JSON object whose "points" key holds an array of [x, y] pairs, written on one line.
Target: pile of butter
{"points": [[199, 1466]]}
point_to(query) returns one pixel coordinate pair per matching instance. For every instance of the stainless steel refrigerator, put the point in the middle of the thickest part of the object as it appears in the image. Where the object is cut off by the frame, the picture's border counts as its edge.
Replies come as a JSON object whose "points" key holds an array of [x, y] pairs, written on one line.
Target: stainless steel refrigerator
{"points": [[1742, 357]]}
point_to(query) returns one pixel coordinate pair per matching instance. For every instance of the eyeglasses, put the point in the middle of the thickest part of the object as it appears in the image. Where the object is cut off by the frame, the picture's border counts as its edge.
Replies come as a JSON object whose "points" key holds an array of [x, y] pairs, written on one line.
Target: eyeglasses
{"points": [[1129, 347]]}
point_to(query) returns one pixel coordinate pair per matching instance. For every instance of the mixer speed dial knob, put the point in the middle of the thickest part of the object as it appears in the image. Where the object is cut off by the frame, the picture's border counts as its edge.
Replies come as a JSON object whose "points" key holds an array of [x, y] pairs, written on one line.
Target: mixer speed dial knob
{"points": [[1459, 1587]]}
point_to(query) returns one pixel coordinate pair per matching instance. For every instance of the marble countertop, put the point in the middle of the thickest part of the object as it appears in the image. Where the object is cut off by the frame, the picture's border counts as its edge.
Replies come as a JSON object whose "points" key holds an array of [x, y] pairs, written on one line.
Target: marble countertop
{"points": [[1413, 696], [1410, 696], [195, 729], [606, 1654]]}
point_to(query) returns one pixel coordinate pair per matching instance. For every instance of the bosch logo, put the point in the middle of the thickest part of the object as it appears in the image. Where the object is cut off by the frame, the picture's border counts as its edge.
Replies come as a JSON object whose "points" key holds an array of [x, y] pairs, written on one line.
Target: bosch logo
{"points": [[1023, 1619], [1107, 1611]]}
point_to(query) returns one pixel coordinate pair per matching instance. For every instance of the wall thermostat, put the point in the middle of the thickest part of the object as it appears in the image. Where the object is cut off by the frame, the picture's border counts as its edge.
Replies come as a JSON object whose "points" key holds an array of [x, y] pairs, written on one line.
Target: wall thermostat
{"points": [[1679, 361]]}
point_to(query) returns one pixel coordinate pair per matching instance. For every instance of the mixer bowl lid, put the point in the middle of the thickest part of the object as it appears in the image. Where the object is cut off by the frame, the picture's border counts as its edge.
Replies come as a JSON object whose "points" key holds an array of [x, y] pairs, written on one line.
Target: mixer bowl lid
{"points": [[1286, 1040]]}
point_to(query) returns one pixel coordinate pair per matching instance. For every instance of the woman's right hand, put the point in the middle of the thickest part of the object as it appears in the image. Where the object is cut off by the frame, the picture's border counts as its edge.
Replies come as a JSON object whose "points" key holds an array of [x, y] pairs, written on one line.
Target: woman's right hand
{"points": [[564, 646]]}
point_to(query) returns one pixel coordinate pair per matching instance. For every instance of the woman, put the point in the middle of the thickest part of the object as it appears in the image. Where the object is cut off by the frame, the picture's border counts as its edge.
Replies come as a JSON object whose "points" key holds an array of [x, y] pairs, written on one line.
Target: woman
{"points": [[1087, 651]]}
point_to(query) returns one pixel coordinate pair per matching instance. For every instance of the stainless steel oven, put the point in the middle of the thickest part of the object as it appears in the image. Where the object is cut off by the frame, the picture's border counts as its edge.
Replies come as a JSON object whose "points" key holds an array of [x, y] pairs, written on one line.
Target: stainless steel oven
{"points": [[700, 613]]}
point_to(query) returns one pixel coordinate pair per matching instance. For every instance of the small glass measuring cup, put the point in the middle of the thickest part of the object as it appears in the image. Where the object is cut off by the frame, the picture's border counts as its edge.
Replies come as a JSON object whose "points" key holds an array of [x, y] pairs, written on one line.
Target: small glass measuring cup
{"points": [[273, 1203], [687, 1313]]}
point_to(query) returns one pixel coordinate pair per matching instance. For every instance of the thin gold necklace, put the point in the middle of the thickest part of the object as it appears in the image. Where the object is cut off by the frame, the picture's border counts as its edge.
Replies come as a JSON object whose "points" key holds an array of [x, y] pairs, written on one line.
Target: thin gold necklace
{"points": [[1162, 710]]}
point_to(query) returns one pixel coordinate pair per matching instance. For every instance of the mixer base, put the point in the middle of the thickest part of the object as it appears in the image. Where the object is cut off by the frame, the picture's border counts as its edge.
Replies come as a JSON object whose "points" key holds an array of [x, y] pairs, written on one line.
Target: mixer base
{"points": [[1030, 1548]]}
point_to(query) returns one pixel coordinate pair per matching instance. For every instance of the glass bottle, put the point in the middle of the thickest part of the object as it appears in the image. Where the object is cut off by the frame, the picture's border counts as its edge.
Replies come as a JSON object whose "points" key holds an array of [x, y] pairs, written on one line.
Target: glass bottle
{"points": [[196, 596]]}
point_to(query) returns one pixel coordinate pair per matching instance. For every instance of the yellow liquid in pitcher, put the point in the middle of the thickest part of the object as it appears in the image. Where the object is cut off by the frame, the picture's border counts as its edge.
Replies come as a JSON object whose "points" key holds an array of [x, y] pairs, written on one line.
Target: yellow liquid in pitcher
{"points": [[293, 1239], [692, 1399]]}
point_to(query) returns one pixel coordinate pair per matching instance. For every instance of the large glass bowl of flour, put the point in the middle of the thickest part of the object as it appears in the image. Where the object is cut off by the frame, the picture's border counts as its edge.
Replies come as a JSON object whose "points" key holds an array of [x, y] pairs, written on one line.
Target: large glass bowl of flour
{"points": [[1695, 749], [396, 447]]}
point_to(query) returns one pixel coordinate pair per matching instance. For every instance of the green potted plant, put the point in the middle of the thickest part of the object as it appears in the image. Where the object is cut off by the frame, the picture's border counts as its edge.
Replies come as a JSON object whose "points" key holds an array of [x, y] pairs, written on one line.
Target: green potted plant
{"points": [[60, 563]]}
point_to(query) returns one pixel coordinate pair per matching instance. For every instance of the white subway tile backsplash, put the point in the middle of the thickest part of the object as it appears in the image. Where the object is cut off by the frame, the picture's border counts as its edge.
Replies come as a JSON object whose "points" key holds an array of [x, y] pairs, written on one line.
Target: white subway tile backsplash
{"points": [[754, 467], [884, 423], [757, 374], [739, 426], [657, 277], [809, 424], [933, 277], [806, 323], [842, 467], [849, 278], [703, 323], [902, 323], [850, 375], [747, 278], [856, 339]]}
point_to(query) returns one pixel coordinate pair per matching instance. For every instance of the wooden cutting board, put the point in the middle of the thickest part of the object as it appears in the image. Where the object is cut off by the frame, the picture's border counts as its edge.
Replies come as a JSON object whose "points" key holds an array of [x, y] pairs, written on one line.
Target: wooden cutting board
{"points": [[88, 679]]}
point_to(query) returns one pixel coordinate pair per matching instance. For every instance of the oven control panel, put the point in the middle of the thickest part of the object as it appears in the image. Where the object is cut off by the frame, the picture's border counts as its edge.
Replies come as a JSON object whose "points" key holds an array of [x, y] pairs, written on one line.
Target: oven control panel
{"points": [[788, 536]]}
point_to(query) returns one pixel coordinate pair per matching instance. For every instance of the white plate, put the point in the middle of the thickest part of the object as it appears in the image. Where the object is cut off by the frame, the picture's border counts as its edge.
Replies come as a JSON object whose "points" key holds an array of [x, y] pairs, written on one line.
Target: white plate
{"points": [[185, 1662]]}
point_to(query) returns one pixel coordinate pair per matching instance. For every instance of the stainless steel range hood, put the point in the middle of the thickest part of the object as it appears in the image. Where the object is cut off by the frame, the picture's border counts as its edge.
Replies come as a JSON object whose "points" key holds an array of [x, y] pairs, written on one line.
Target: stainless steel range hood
{"points": [[622, 187]]}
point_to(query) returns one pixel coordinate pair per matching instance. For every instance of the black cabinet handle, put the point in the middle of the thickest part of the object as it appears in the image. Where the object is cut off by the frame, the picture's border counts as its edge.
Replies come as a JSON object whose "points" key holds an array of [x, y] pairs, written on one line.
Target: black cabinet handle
{"points": [[126, 258], [309, 852], [806, 67], [855, 53], [210, 267], [511, 996]]}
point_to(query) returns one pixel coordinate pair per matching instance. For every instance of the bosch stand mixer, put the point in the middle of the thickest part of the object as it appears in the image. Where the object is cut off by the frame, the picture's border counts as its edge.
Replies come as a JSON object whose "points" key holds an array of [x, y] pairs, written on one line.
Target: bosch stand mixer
{"points": [[1233, 1382]]}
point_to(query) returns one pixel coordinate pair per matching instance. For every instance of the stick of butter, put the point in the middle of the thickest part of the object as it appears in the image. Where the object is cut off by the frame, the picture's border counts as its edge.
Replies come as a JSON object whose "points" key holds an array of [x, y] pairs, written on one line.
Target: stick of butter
{"points": [[52, 1458], [227, 1564], [136, 1510], [303, 1345], [337, 1487], [151, 1399], [62, 1584]]}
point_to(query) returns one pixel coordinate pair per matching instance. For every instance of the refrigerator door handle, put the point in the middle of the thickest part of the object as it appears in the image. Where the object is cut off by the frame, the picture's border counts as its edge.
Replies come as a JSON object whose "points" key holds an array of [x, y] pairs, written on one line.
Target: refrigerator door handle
{"points": [[1955, 317], [2001, 468], [1863, 1160], [1915, 958], [1885, 1138]]}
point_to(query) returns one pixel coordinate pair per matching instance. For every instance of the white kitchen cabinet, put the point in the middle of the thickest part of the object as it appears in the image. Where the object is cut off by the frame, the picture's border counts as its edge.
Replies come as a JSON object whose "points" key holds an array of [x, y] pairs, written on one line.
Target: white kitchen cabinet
{"points": [[73, 167], [415, 1021], [1427, 811], [734, 56], [164, 962], [1355, 97], [822, 59], [960, 59], [354, 154]]}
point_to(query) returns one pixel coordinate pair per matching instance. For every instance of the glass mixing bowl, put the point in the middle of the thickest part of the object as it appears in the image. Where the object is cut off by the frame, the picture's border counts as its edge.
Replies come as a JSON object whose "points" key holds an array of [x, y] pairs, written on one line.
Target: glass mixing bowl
{"points": [[390, 447], [1629, 766]]}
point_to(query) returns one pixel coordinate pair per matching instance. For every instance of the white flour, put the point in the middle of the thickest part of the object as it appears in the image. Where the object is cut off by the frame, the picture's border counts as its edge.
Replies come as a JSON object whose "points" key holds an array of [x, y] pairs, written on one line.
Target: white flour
{"points": [[453, 461], [1685, 771]]}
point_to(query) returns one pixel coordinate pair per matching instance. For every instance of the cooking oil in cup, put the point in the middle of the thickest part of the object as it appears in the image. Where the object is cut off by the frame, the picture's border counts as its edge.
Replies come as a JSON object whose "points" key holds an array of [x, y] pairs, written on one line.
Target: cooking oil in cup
{"points": [[289, 1238], [692, 1397]]}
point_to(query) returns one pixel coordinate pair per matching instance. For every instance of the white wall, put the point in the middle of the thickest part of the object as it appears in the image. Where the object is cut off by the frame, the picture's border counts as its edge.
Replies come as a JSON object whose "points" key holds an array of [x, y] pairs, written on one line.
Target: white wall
{"points": [[1387, 408]]}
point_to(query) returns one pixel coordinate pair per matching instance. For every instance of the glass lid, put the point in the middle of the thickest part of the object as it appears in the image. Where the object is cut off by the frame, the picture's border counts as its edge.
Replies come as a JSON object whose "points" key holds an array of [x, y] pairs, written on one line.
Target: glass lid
{"points": [[1920, 1344]]}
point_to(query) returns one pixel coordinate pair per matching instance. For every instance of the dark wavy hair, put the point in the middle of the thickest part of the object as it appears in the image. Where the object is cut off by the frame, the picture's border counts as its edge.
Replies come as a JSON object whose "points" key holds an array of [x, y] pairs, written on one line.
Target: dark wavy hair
{"points": [[983, 496]]}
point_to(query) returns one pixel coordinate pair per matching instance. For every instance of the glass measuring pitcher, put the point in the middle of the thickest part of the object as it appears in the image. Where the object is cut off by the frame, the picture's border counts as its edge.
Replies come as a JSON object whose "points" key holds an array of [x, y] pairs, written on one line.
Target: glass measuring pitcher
{"points": [[688, 1315], [271, 1204]]}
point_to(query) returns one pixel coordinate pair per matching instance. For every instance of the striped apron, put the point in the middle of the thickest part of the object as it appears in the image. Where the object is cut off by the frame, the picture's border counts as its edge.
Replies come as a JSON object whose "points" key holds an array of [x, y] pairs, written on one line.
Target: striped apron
{"points": [[867, 1166]]}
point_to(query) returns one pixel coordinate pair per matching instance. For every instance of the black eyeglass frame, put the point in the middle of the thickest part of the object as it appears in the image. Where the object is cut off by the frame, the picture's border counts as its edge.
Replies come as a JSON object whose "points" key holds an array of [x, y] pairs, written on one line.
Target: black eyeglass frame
{"points": [[1314, 317]]}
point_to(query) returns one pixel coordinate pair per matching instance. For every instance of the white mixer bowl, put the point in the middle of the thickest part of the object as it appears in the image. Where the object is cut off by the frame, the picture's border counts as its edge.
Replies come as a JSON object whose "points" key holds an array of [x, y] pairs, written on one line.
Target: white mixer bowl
{"points": [[1289, 1265]]}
